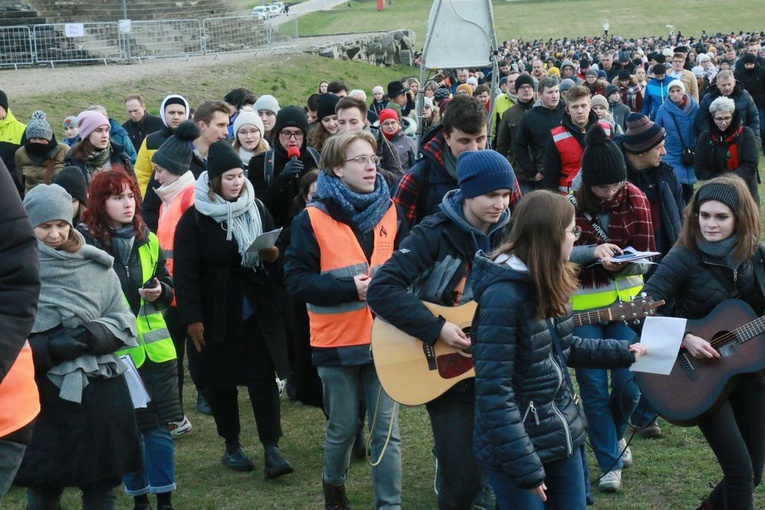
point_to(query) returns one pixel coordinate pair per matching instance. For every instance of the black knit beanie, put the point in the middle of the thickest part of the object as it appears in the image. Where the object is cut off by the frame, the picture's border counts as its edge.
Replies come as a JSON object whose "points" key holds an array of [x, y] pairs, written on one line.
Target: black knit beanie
{"points": [[721, 192], [602, 161], [221, 158], [174, 155], [326, 105], [72, 180], [291, 116]]}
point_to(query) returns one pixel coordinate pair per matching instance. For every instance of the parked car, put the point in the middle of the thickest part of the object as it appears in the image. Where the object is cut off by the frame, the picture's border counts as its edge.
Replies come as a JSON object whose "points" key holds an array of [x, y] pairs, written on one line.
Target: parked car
{"points": [[276, 8], [262, 12]]}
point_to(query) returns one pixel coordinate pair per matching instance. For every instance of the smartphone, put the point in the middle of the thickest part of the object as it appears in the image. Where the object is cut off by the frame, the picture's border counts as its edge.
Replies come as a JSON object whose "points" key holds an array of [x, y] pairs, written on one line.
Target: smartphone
{"points": [[150, 284]]}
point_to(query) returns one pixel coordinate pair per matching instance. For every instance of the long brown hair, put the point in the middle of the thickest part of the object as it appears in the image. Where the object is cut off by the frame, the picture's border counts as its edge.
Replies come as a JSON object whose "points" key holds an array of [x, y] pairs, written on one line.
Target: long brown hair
{"points": [[747, 219], [73, 243], [539, 228]]}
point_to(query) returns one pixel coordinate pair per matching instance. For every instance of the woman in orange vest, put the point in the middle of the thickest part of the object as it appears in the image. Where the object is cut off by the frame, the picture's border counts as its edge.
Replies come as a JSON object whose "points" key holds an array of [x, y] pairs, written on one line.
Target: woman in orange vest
{"points": [[20, 274], [340, 239], [171, 170]]}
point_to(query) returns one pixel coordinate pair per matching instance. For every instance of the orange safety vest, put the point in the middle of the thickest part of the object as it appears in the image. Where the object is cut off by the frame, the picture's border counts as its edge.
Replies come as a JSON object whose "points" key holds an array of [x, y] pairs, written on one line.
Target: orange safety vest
{"points": [[168, 221], [570, 154], [19, 398], [341, 256]]}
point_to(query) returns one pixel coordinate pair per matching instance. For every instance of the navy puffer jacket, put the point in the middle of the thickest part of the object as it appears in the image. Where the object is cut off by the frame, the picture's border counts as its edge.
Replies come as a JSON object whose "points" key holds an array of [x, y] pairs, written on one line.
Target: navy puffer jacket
{"points": [[525, 414]]}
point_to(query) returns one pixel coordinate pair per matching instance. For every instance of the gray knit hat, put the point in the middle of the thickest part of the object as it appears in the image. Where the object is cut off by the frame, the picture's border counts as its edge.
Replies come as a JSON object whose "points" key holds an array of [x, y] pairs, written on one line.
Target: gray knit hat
{"points": [[174, 155], [720, 191], [48, 202], [38, 127], [268, 103], [70, 121]]}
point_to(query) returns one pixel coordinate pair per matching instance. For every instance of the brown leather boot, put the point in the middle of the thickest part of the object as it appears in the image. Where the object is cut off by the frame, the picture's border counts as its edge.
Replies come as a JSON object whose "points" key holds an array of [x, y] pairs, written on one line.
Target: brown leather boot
{"points": [[335, 497]]}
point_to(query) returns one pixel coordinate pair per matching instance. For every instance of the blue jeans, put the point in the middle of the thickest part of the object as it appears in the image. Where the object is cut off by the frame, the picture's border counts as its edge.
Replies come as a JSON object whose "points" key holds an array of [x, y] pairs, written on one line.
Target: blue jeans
{"points": [[341, 403], [564, 479], [157, 475], [607, 410]]}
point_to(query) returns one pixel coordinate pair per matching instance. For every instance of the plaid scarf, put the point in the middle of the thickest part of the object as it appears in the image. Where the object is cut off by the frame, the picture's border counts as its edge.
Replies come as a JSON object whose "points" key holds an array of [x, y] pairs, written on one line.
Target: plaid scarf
{"points": [[629, 224]]}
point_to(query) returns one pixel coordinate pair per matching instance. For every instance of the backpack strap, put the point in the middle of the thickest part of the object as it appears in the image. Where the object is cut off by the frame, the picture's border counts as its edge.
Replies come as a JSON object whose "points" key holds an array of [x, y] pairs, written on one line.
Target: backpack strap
{"points": [[268, 167]]}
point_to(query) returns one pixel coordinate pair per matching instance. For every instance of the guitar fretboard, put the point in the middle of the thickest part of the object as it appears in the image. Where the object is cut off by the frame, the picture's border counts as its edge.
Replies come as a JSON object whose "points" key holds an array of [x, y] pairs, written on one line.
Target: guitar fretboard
{"points": [[743, 333]]}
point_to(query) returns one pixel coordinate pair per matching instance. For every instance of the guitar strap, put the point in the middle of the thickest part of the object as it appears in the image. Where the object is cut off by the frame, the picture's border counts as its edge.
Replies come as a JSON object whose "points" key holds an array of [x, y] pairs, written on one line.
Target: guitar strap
{"points": [[594, 221]]}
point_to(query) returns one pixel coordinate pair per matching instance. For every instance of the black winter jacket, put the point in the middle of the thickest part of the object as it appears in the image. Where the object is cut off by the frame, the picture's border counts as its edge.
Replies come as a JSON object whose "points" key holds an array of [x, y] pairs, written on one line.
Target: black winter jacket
{"points": [[664, 193], [525, 415], [750, 115], [693, 283], [753, 81], [211, 286], [435, 261], [119, 158], [531, 139], [711, 158], [137, 131]]}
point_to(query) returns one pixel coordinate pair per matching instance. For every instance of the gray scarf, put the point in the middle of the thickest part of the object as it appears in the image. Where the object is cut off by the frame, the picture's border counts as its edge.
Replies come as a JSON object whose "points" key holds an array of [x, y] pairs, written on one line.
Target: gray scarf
{"points": [[78, 288], [241, 217]]}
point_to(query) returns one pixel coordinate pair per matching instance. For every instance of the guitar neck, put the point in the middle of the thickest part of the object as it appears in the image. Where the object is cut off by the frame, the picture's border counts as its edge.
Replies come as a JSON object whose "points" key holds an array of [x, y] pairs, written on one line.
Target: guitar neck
{"points": [[750, 329], [585, 318]]}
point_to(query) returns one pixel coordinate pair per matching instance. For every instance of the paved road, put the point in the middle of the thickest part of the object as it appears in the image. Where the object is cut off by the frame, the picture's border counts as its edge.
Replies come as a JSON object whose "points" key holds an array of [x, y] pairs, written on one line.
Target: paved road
{"points": [[306, 7]]}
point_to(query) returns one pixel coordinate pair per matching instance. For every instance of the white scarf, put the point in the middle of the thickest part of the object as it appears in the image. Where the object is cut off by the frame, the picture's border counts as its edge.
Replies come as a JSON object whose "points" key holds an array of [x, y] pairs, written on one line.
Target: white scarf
{"points": [[170, 192], [241, 217]]}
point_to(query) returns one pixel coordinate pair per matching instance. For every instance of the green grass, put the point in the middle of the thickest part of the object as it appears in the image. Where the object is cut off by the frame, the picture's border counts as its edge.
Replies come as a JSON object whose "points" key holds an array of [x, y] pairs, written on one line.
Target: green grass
{"points": [[670, 473], [556, 18]]}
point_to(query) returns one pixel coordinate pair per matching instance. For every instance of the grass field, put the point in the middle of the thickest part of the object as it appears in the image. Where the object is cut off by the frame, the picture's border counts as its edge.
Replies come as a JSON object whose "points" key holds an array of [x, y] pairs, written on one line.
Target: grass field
{"points": [[553, 18], [670, 473]]}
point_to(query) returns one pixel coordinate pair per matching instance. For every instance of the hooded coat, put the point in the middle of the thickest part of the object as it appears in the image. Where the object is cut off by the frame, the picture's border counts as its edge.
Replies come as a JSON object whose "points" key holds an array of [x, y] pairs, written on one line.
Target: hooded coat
{"points": [[672, 118]]}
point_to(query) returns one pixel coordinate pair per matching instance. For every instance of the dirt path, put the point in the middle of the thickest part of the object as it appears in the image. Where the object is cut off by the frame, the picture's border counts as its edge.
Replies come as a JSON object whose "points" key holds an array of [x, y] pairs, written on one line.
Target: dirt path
{"points": [[27, 82]]}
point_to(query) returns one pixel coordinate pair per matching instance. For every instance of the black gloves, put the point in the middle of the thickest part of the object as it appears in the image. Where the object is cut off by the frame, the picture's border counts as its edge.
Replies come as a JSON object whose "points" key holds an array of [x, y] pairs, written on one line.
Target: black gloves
{"points": [[293, 168], [68, 344]]}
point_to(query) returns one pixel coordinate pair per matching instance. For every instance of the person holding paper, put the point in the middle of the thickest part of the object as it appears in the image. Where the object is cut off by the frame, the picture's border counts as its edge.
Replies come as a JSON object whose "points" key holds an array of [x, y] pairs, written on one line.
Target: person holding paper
{"points": [[86, 434], [612, 214], [718, 257], [113, 224], [528, 428], [227, 302]]}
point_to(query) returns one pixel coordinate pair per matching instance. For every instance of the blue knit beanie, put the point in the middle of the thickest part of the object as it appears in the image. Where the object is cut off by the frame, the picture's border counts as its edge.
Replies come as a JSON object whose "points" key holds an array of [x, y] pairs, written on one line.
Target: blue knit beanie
{"points": [[481, 172]]}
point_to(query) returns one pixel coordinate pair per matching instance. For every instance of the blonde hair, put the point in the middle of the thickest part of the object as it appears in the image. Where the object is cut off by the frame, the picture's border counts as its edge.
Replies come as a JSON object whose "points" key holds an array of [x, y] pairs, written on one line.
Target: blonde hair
{"points": [[335, 148]]}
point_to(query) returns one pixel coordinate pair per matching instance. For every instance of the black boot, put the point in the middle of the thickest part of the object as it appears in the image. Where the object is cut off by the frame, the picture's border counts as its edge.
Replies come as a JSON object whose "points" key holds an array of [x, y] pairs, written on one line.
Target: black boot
{"points": [[203, 403], [335, 497], [276, 465], [236, 459]]}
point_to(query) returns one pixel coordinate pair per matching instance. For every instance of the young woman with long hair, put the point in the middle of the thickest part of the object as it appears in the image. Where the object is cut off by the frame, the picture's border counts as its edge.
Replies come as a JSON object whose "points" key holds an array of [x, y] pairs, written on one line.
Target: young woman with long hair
{"points": [[113, 223], [528, 428], [95, 152], [718, 257]]}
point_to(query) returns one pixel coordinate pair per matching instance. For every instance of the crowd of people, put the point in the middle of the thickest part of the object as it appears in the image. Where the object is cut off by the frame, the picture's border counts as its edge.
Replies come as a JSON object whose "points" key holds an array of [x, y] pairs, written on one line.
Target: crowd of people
{"points": [[261, 240]]}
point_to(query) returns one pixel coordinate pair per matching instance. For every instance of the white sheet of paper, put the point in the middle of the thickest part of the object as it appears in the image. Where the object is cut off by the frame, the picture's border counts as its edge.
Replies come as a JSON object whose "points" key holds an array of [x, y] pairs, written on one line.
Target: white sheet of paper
{"points": [[138, 393], [264, 240], [662, 336]]}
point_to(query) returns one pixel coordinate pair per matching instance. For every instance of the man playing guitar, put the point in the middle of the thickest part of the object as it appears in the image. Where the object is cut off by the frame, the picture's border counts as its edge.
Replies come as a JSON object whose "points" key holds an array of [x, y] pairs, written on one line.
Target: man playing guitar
{"points": [[435, 261]]}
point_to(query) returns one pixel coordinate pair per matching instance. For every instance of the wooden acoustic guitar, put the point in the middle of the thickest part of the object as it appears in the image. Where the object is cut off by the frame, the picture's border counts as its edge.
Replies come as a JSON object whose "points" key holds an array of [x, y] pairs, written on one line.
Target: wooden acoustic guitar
{"points": [[413, 372], [697, 385]]}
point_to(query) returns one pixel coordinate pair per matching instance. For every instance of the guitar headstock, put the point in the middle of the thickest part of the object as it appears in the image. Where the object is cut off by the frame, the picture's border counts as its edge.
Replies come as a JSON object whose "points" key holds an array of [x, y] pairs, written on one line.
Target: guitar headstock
{"points": [[641, 306]]}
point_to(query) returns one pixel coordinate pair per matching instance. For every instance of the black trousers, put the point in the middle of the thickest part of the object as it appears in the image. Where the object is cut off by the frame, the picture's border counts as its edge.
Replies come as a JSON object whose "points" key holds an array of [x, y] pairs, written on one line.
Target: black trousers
{"points": [[178, 334], [264, 398], [736, 434]]}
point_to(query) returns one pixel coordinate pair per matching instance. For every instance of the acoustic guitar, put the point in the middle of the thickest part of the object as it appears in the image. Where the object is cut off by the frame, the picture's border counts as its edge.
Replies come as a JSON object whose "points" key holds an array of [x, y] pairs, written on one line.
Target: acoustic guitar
{"points": [[413, 372], [697, 385]]}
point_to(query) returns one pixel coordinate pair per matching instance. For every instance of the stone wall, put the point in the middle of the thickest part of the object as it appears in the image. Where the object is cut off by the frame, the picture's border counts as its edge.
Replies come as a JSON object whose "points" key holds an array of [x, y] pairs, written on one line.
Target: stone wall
{"points": [[385, 48]]}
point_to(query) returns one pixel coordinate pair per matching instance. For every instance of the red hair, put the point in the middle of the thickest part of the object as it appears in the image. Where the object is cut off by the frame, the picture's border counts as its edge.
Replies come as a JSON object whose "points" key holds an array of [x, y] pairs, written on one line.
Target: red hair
{"points": [[103, 186]]}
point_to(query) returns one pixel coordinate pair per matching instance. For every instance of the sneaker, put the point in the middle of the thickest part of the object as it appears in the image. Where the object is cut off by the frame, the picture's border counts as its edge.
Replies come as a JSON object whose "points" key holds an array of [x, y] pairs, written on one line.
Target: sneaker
{"points": [[436, 478], [178, 428], [626, 453], [611, 481], [649, 431], [236, 459], [281, 384]]}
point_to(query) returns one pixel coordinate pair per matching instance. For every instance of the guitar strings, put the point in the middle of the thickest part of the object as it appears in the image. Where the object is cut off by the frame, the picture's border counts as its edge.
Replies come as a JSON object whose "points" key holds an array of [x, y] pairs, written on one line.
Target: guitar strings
{"points": [[753, 327]]}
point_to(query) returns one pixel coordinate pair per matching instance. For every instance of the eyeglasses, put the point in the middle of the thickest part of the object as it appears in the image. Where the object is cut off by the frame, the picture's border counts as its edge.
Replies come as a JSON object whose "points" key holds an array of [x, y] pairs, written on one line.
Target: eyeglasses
{"points": [[363, 160], [576, 231], [252, 132], [724, 119], [287, 135]]}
